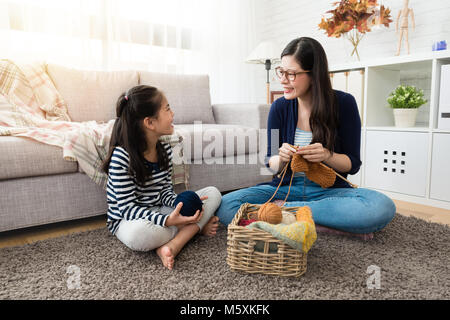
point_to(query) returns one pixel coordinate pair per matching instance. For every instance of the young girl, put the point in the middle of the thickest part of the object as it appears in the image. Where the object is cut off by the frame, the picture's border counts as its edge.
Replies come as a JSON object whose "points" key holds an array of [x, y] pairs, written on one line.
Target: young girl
{"points": [[140, 193], [326, 124]]}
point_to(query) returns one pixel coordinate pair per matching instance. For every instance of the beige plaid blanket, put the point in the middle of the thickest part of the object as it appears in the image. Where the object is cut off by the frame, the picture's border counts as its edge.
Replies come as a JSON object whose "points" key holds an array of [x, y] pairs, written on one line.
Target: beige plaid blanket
{"points": [[31, 107]]}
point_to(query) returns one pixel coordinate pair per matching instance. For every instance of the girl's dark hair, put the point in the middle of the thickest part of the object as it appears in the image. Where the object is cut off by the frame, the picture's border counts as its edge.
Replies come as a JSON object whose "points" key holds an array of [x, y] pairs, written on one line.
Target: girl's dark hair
{"points": [[132, 107], [323, 120]]}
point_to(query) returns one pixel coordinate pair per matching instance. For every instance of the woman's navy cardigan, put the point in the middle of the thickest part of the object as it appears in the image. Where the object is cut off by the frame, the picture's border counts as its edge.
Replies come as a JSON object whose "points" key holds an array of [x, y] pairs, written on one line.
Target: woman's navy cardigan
{"points": [[283, 115]]}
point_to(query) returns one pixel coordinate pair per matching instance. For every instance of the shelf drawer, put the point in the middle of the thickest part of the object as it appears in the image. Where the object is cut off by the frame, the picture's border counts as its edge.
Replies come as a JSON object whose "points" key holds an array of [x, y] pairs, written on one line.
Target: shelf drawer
{"points": [[397, 161], [440, 167]]}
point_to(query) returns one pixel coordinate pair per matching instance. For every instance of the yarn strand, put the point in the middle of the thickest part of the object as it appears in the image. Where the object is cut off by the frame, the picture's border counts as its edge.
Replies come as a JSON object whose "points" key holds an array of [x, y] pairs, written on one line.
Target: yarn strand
{"points": [[281, 181], [261, 213], [289, 190]]}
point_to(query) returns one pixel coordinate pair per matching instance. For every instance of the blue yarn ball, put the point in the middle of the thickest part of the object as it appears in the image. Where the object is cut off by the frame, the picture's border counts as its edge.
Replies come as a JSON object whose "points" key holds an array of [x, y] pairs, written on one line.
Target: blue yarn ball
{"points": [[191, 203]]}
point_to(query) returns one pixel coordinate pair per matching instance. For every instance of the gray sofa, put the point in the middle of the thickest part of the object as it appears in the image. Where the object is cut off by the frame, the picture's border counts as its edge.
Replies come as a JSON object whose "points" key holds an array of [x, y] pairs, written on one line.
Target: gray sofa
{"points": [[37, 186]]}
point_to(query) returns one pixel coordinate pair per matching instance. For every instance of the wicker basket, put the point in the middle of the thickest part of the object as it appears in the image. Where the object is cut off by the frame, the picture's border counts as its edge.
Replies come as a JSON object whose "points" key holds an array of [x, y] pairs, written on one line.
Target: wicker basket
{"points": [[243, 255]]}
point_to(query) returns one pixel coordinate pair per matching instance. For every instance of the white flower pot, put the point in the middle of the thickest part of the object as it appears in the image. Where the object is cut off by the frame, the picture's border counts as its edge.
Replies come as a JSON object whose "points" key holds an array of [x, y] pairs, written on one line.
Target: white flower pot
{"points": [[405, 118]]}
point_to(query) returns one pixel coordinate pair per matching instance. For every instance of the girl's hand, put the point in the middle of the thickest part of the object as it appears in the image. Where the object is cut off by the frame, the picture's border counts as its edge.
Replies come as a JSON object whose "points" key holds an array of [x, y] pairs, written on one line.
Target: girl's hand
{"points": [[176, 219], [314, 152], [286, 152]]}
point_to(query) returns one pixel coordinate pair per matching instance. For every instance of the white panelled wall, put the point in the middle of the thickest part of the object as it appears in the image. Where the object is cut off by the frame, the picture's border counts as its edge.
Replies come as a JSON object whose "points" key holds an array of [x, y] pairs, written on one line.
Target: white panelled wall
{"points": [[284, 20]]}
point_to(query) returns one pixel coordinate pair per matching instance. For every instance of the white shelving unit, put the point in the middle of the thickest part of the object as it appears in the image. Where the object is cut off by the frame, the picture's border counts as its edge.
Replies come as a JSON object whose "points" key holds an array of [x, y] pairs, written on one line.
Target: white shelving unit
{"points": [[409, 164]]}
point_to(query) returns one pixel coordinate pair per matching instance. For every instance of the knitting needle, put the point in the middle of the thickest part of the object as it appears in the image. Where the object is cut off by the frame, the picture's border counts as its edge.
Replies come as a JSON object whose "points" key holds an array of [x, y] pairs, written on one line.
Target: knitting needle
{"points": [[351, 184]]}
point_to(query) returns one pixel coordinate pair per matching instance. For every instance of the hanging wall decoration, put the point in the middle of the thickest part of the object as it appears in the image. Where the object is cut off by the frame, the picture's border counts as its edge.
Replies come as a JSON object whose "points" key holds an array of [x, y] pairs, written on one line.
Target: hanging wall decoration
{"points": [[352, 19]]}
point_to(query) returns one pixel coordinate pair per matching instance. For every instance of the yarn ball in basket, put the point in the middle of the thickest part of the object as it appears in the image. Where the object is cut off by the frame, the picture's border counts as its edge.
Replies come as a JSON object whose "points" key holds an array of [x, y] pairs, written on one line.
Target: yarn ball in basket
{"points": [[270, 212], [288, 217], [304, 214], [322, 175], [191, 203], [299, 164]]}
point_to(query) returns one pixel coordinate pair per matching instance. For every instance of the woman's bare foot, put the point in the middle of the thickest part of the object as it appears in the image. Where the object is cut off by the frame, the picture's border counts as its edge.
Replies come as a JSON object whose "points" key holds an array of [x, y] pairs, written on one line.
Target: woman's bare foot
{"points": [[165, 254], [210, 229]]}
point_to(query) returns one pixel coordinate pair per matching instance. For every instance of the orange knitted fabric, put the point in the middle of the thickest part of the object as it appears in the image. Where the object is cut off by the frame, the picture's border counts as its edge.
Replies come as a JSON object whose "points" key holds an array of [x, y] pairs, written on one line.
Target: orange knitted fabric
{"points": [[299, 164], [322, 175]]}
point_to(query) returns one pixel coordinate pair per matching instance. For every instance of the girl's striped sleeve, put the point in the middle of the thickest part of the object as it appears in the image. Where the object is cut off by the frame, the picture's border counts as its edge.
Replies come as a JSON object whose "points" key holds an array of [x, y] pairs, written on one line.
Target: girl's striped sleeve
{"points": [[122, 188]]}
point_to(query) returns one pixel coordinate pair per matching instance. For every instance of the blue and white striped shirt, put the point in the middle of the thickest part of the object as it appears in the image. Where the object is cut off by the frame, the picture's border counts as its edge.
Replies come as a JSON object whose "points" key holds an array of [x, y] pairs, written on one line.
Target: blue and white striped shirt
{"points": [[302, 138], [127, 200]]}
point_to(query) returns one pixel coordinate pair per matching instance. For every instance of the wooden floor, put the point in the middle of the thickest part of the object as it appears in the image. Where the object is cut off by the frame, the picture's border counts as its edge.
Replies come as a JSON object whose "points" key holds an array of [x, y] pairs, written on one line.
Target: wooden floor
{"points": [[30, 235], [431, 214]]}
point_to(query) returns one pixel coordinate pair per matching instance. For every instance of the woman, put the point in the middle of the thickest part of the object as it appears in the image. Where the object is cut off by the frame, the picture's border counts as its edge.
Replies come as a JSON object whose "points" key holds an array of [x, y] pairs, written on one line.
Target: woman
{"points": [[325, 123]]}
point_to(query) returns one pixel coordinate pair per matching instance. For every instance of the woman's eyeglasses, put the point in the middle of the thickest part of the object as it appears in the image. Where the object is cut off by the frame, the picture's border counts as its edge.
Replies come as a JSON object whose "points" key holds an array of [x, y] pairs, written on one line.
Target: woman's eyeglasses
{"points": [[289, 75]]}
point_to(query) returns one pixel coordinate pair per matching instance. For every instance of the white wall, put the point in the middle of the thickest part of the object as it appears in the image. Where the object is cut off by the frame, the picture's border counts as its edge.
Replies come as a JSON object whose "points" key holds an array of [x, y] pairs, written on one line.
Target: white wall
{"points": [[232, 36], [284, 20]]}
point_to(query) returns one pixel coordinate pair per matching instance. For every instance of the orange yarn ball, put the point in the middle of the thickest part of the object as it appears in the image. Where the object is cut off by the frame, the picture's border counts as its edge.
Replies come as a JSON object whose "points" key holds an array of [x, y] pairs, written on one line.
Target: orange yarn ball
{"points": [[304, 214], [270, 212], [298, 164]]}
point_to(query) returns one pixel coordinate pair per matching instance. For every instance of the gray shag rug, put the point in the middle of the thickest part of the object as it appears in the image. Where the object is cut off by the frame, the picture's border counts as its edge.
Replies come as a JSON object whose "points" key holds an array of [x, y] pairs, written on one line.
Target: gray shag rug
{"points": [[413, 257]]}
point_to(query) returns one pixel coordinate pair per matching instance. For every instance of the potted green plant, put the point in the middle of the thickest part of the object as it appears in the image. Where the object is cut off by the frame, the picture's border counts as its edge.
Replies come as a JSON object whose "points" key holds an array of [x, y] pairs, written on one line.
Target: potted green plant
{"points": [[405, 102]]}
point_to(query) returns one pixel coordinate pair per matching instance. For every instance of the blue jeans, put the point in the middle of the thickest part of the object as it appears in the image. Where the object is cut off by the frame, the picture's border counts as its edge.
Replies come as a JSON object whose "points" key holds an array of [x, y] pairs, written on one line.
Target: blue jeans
{"points": [[352, 210]]}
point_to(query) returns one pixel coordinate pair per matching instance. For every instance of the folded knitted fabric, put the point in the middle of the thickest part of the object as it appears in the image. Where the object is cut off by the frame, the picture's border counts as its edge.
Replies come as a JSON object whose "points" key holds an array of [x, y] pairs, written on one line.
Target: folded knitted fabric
{"points": [[316, 172], [299, 235]]}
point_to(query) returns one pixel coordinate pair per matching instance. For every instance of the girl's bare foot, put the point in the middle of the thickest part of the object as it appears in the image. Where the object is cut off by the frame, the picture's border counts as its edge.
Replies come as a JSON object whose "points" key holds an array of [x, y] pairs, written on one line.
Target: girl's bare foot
{"points": [[210, 229], [165, 254]]}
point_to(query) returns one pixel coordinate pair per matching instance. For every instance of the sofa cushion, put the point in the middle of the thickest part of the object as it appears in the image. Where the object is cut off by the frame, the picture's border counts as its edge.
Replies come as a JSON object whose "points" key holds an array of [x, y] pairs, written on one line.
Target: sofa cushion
{"points": [[204, 141], [22, 157], [91, 95], [188, 95]]}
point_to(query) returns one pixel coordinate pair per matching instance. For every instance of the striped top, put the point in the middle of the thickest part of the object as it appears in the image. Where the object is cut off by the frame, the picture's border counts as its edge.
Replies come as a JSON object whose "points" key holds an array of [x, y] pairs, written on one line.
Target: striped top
{"points": [[302, 138], [127, 200]]}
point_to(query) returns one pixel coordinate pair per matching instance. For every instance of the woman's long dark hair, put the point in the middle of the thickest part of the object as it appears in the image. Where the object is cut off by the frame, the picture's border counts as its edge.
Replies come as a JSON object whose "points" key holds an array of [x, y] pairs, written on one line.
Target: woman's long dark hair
{"points": [[141, 102], [323, 120]]}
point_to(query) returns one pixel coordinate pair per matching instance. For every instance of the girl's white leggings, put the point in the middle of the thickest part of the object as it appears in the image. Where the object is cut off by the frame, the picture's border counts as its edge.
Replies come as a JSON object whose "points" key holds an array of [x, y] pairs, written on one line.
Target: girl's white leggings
{"points": [[144, 235]]}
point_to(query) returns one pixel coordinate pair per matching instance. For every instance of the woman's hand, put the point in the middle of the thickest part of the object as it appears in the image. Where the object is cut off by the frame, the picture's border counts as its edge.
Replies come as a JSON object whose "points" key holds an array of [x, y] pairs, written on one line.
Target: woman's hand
{"points": [[286, 151], [176, 219], [314, 152]]}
